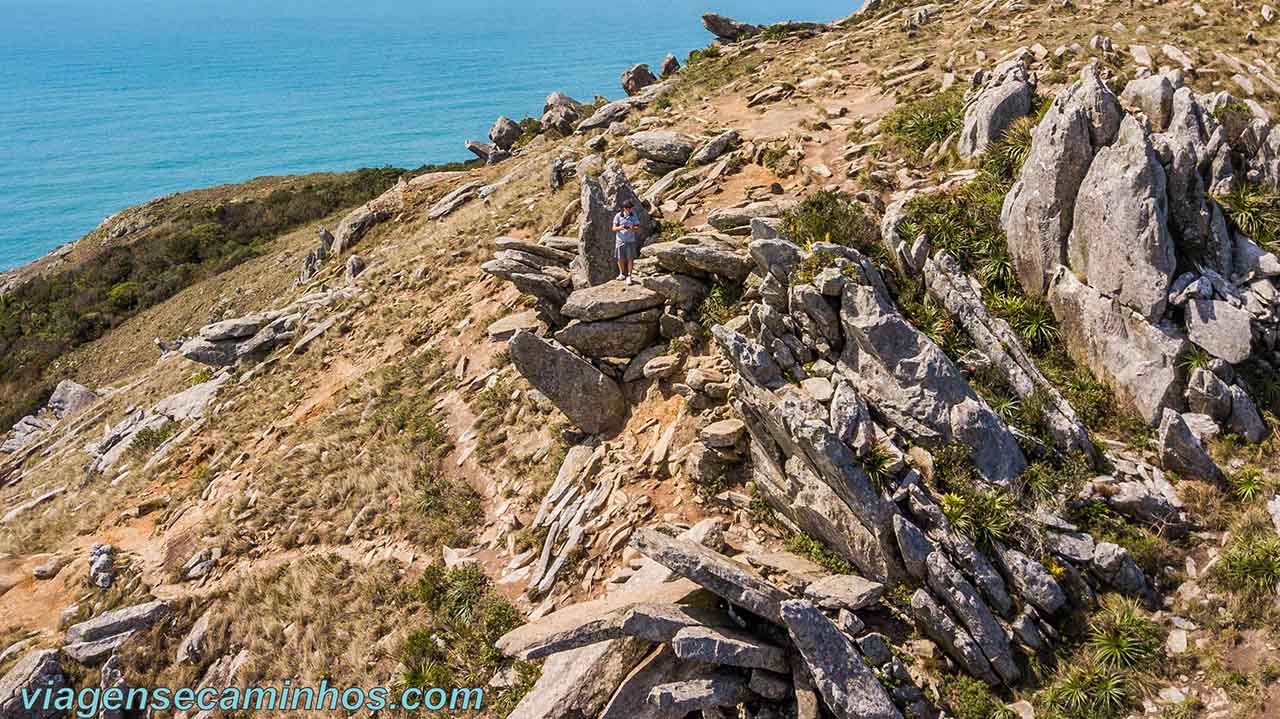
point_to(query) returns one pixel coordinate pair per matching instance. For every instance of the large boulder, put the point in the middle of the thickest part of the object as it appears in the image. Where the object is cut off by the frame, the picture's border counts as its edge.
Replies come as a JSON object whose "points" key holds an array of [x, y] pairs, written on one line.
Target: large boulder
{"points": [[913, 383], [1003, 98], [938, 624], [606, 115], [624, 336], [505, 132], [1138, 360], [1119, 241], [716, 146], [726, 28], [1181, 451], [35, 674], [69, 397], [1038, 211], [1222, 330], [701, 256], [587, 397], [663, 146], [637, 78], [610, 300]]}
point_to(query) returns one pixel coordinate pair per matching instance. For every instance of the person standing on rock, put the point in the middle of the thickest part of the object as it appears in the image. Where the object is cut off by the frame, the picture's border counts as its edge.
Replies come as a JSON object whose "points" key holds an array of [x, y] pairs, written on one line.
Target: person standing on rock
{"points": [[626, 224]]}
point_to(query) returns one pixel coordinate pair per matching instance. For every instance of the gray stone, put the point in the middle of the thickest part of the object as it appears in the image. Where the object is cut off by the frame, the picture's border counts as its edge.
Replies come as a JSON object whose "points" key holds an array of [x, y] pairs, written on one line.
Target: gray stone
{"points": [[637, 78], [92, 653], [844, 591], [775, 256], [714, 572], [912, 382], [938, 625], [848, 685], [1153, 96], [963, 600], [37, 671], [715, 147], [680, 290], [1138, 360], [727, 28], [587, 397], [501, 330], [1244, 419], [664, 146], [851, 419], [670, 66], [728, 647], [775, 687], [680, 698], [752, 362], [112, 683], [1119, 241], [1222, 330], [700, 256], [118, 621], [723, 434], [69, 398], [606, 115], [914, 546], [728, 218], [460, 196], [1208, 395], [1115, 566], [1038, 211], [1005, 97], [609, 300], [1032, 581], [505, 132], [1181, 451], [875, 647], [192, 647]]}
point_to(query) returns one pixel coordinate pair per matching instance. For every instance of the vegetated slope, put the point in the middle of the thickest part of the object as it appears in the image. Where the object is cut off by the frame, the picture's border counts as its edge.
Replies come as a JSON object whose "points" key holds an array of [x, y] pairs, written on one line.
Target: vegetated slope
{"points": [[297, 522]]}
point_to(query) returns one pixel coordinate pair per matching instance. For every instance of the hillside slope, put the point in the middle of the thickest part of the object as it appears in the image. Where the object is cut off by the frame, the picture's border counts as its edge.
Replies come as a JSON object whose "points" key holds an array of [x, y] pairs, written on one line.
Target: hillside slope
{"points": [[946, 386]]}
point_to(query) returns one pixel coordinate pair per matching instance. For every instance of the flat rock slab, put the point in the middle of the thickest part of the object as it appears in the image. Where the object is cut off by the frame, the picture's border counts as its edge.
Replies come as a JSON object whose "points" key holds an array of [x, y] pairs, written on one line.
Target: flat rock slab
{"points": [[587, 397], [599, 620], [713, 571], [844, 591], [502, 330], [680, 698], [116, 622], [728, 647], [848, 685], [95, 652], [609, 300]]}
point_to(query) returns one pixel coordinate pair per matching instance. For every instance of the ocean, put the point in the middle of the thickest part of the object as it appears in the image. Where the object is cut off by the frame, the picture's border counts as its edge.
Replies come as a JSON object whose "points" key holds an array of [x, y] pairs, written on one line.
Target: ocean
{"points": [[106, 105]]}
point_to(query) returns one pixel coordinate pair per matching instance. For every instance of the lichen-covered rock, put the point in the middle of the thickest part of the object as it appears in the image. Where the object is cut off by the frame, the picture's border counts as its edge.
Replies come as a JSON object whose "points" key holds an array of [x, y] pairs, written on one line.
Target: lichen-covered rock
{"points": [[1138, 360], [1039, 210], [912, 382], [663, 146], [1004, 97], [1181, 451], [1119, 241], [848, 685]]}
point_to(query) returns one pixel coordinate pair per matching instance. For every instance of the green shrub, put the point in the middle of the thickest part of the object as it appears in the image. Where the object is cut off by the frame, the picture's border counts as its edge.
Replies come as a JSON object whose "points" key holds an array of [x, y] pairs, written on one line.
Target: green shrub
{"points": [[1250, 483], [1004, 157], [969, 698], [1122, 636], [807, 546], [149, 439], [1255, 211], [719, 306], [828, 216], [1250, 563], [986, 517], [1085, 690], [919, 124], [463, 617]]}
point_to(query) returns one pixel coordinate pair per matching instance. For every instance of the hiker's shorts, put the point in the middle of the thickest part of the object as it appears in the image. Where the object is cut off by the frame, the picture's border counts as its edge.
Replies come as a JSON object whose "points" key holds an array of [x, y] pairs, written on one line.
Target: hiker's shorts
{"points": [[626, 250]]}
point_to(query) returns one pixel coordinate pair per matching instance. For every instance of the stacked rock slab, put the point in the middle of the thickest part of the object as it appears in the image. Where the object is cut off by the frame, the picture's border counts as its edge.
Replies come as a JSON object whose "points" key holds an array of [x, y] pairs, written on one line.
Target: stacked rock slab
{"points": [[713, 634]]}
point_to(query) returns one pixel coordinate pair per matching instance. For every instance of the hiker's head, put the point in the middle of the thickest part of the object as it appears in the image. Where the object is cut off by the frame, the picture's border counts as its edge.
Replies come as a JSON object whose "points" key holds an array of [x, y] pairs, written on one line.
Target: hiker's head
{"points": [[628, 205]]}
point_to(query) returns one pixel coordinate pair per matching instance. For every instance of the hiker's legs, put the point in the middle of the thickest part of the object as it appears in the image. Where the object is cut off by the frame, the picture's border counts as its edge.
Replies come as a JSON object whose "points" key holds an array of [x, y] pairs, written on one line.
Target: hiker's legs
{"points": [[622, 265]]}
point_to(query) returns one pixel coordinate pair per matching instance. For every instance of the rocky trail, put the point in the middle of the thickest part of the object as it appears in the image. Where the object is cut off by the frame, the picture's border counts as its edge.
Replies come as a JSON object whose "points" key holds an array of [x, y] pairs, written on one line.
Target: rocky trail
{"points": [[945, 386]]}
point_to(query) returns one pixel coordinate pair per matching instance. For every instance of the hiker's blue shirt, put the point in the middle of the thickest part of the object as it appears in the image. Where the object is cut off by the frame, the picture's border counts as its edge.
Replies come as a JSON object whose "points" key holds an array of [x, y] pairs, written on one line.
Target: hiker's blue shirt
{"points": [[628, 220]]}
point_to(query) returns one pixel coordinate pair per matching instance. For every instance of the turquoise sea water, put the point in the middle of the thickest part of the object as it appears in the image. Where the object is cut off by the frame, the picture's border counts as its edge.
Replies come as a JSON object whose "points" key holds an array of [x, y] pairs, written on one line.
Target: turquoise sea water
{"points": [[105, 105]]}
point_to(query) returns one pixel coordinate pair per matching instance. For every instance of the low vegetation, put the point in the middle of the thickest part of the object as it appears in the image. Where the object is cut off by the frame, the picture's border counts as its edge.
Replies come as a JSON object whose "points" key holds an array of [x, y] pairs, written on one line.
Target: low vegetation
{"points": [[828, 216], [462, 617], [1255, 211], [920, 124], [51, 315]]}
